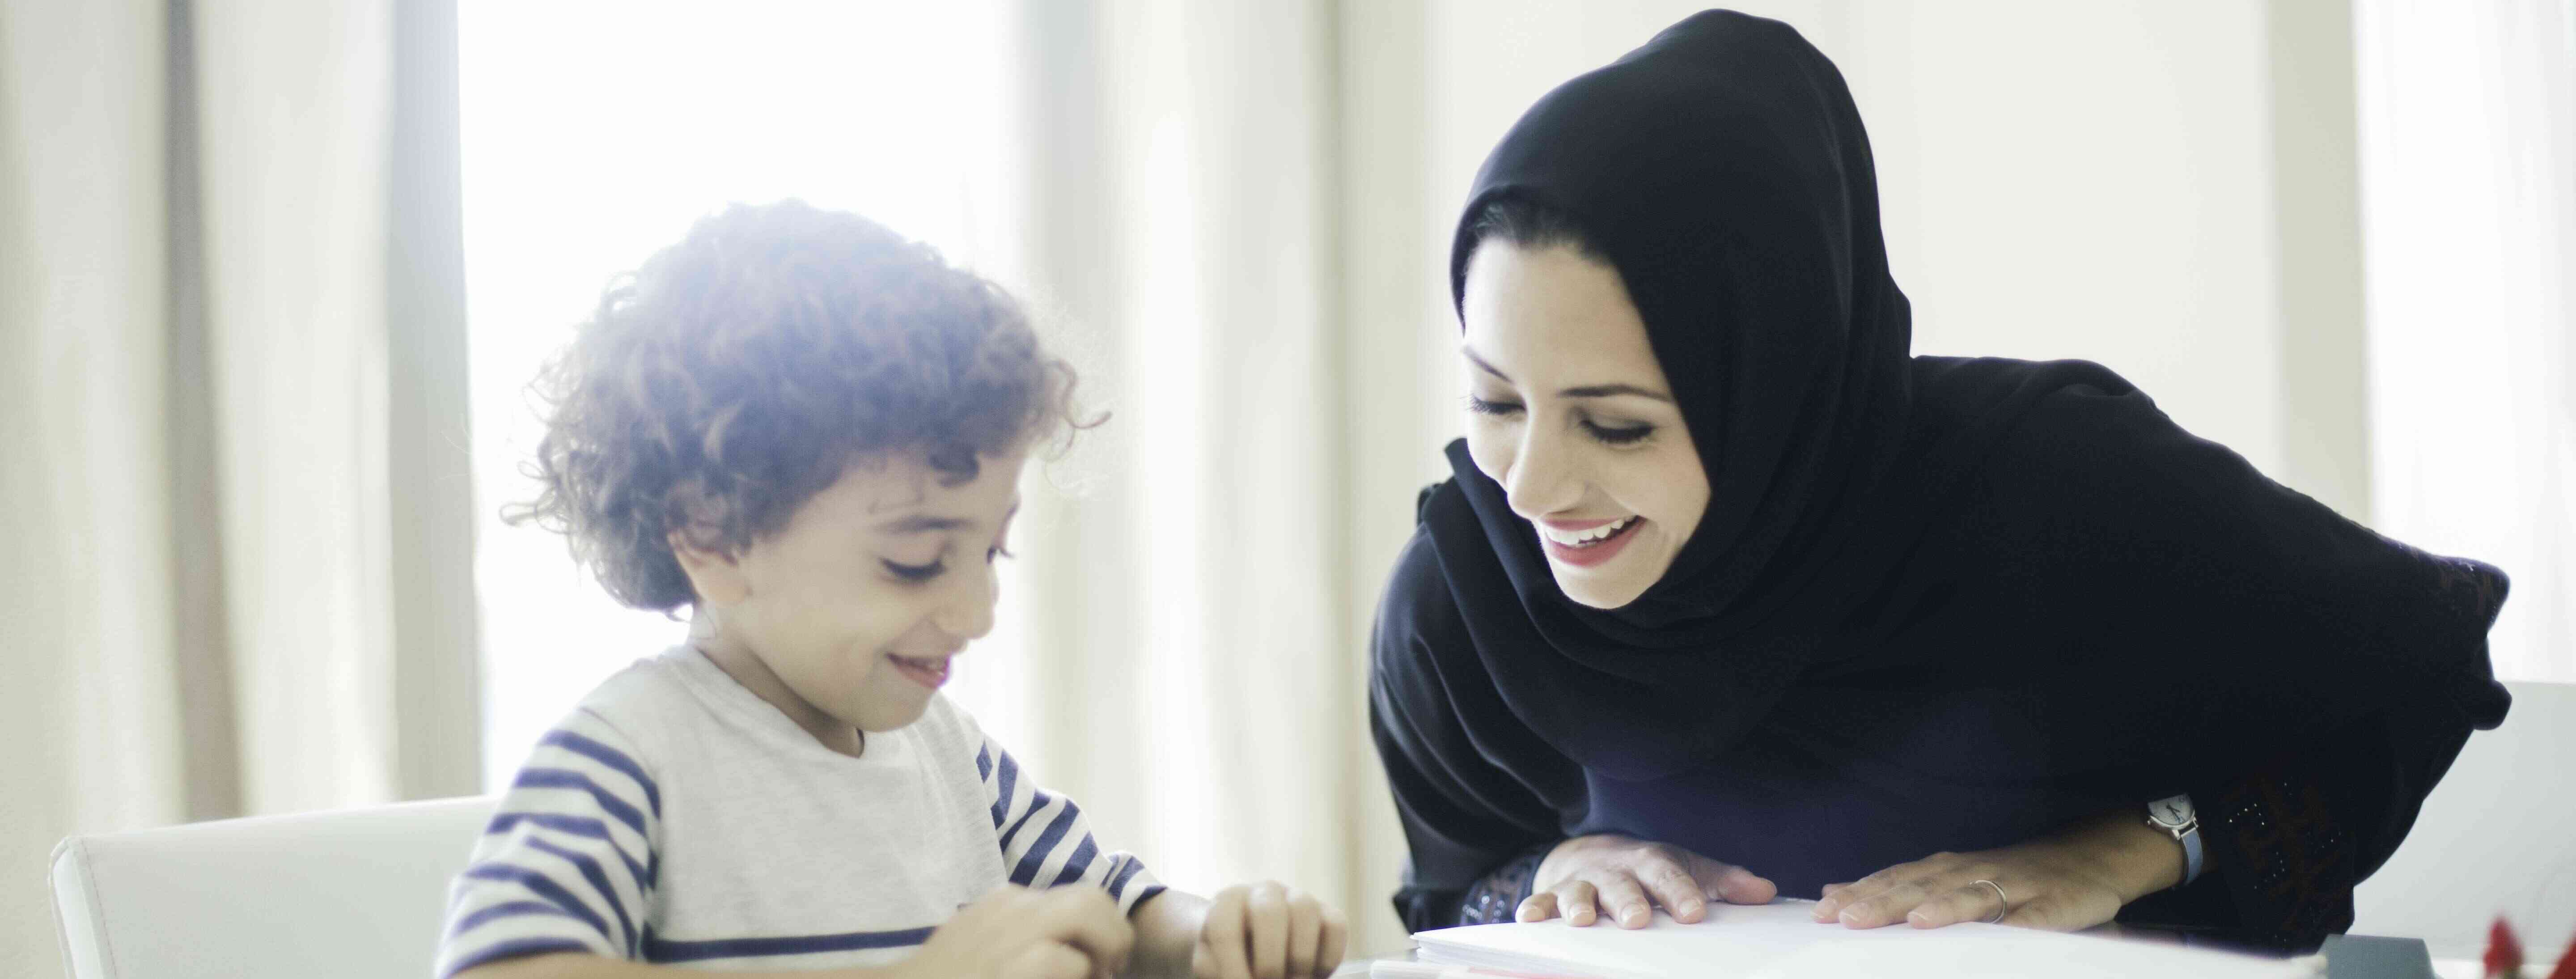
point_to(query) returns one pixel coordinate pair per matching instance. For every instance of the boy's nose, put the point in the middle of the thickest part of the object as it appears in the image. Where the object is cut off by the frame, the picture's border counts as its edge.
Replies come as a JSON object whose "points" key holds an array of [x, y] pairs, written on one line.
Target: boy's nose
{"points": [[969, 615]]}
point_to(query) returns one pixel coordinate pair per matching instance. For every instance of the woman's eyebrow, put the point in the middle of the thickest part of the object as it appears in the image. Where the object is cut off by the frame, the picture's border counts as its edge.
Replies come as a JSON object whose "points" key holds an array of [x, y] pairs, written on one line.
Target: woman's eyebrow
{"points": [[922, 523], [1607, 390], [1585, 391]]}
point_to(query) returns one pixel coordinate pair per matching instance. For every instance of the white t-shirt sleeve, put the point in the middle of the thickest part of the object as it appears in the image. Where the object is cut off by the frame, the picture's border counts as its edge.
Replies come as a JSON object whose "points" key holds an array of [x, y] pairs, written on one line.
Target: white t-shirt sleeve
{"points": [[567, 863], [1046, 842]]}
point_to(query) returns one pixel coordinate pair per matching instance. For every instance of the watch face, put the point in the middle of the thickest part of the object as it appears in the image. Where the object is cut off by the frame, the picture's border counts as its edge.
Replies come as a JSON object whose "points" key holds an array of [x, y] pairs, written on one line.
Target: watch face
{"points": [[2171, 812]]}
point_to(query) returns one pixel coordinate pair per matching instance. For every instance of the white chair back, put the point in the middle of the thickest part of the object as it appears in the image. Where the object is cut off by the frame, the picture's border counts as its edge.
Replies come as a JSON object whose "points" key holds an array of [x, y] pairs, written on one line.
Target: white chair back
{"points": [[352, 894], [2497, 837]]}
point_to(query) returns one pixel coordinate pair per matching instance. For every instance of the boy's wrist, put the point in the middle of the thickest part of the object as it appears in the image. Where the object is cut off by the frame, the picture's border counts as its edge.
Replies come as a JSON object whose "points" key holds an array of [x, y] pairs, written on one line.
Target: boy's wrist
{"points": [[1167, 925]]}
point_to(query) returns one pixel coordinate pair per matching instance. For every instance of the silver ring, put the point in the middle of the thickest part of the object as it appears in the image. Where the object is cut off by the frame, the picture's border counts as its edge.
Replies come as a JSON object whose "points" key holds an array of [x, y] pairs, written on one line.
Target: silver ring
{"points": [[2004, 903]]}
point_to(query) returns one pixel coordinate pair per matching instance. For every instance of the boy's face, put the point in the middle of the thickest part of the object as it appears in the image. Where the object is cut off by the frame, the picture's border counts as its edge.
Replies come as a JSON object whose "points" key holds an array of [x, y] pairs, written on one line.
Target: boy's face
{"points": [[848, 615]]}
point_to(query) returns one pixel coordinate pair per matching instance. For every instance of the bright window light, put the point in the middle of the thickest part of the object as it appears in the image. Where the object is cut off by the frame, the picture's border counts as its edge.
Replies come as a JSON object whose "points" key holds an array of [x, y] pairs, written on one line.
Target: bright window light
{"points": [[595, 133]]}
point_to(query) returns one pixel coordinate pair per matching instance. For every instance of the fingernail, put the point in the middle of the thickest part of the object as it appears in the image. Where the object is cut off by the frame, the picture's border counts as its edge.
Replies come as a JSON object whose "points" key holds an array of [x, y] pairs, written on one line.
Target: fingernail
{"points": [[1919, 918], [1825, 910]]}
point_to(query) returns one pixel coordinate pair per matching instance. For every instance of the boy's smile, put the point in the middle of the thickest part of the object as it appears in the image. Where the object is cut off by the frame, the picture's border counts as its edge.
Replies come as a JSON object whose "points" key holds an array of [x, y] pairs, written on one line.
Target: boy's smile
{"points": [[849, 617]]}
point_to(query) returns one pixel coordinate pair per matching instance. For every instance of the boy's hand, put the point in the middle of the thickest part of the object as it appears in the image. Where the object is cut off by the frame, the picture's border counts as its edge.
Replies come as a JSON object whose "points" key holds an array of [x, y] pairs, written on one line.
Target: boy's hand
{"points": [[1017, 933], [1268, 931]]}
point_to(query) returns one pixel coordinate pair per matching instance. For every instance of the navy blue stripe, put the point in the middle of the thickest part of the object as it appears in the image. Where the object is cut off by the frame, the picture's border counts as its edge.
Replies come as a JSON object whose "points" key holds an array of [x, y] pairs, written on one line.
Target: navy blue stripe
{"points": [[1009, 779], [516, 948], [1148, 895], [610, 757], [565, 778], [510, 909], [1078, 862], [1118, 881], [598, 881], [543, 886], [1027, 871], [659, 949], [577, 826], [984, 763], [1038, 800]]}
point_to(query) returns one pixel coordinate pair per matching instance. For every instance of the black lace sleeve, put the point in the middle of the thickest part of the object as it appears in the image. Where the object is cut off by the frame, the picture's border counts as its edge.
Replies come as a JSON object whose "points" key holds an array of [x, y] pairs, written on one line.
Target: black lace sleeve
{"points": [[1497, 896], [2286, 843]]}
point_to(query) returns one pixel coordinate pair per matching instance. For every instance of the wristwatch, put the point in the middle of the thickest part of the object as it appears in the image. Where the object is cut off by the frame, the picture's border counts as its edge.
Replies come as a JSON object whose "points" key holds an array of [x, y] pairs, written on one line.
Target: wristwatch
{"points": [[2174, 815]]}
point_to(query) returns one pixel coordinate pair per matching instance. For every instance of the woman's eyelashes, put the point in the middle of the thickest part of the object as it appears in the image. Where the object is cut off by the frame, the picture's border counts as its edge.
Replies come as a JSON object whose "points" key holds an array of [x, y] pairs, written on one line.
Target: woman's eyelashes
{"points": [[916, 573], [1625, 435], [1617, 435]]}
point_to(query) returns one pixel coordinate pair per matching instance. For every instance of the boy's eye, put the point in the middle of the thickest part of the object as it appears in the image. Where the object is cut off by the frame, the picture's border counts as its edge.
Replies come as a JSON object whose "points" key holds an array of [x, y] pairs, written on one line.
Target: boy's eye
{"points": [[916, 572], [1619, 436], [1484, 407]]}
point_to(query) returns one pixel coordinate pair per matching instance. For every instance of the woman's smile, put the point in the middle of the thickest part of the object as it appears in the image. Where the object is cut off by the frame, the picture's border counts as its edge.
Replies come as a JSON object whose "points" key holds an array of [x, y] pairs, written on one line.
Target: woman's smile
{"points": [[1584, 543]]}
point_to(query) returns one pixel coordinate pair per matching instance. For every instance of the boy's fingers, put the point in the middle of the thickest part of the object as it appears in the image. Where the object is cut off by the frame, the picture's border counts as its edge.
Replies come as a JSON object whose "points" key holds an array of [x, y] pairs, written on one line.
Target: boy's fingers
{"points": [[1048, 960], [1265, 913], [1223, 934], [1305, 931], [1088, 920], [1337, 932], [1202, 964]]}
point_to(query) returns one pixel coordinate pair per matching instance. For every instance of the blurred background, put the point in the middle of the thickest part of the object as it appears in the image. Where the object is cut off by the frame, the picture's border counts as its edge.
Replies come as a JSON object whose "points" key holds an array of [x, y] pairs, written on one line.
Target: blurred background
{"points": [[273, 277]]}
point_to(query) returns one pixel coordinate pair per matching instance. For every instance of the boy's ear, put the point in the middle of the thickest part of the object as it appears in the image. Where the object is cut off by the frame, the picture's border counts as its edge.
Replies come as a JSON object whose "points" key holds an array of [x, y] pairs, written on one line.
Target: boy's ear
{"points": [[717, 577]]}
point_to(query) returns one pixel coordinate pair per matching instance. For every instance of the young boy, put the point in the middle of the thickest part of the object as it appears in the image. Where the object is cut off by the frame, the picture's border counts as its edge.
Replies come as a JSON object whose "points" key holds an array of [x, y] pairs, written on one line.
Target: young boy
{"points": [[810, 432]]}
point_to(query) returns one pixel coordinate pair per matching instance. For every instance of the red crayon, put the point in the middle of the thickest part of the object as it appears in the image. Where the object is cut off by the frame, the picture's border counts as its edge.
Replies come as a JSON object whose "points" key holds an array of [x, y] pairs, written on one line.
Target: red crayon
{"points": [[2566, 963], [2504, 952]]}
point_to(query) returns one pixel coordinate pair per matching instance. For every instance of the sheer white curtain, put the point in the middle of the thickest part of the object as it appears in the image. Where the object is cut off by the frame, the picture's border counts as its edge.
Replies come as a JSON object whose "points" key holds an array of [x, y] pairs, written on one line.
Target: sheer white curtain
{"points": [[229, 407], [1200, 573], [2468, 165]]}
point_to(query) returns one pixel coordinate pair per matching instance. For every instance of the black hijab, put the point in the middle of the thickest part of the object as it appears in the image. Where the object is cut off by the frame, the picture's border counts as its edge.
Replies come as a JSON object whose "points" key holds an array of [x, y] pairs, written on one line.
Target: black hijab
{"points": [[1892, 544]]}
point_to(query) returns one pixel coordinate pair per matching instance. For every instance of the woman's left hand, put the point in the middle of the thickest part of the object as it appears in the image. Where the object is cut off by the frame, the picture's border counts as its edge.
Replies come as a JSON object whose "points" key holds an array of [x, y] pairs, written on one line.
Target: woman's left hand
{"points": [[2073, 880]]}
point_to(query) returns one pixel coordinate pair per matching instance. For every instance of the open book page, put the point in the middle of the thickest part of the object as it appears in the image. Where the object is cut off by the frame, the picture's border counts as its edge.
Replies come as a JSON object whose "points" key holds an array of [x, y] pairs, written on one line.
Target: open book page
{"points": [[1780, 941]]}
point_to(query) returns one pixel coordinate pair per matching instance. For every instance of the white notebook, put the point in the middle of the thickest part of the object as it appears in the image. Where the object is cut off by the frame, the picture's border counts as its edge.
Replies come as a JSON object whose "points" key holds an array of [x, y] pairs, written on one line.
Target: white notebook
{"points": [[1780, 941]]}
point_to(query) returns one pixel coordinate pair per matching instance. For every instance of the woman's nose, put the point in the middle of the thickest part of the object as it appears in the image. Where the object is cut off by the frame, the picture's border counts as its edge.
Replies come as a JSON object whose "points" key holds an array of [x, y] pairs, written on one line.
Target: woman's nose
{"points": [[1539, 475]]}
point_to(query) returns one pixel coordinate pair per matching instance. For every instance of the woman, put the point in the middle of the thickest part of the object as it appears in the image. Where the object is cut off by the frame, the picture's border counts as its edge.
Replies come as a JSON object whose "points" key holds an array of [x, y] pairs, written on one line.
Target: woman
{"points": [[1730, 597]]}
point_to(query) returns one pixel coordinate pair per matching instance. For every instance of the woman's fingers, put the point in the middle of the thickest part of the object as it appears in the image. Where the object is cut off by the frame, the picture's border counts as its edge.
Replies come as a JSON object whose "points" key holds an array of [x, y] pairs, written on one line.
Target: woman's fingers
{"points": [[1537, 907], [1972, 902], [1624, 899], [1674, 888], [1830, 906], [1886, 907], [1579, 902], [1736, 885]]}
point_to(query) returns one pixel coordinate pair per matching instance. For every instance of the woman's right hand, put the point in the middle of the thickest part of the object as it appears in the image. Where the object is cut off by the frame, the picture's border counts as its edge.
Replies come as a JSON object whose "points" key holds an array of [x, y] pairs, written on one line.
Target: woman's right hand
{"points": [[1629, 877], [1018, 933]]}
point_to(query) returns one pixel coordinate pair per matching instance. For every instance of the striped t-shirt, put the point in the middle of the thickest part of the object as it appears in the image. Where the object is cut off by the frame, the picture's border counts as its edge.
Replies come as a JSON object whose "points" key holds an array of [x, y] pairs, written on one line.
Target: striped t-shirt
{"points": [[676, 817]]}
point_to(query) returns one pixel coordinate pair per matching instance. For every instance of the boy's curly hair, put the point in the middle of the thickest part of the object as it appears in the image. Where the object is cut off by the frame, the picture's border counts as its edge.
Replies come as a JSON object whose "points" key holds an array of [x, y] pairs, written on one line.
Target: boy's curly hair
{"points": [[742, 370]]}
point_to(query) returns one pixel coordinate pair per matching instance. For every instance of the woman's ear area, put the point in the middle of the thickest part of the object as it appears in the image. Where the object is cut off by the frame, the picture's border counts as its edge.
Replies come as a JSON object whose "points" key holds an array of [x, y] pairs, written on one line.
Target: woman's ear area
{"points": [[716, 576]]}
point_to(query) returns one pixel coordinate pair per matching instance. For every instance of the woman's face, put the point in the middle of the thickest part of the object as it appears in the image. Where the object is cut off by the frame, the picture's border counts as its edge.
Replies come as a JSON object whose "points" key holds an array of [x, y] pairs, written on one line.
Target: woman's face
{"points": [[1570, 412]]}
